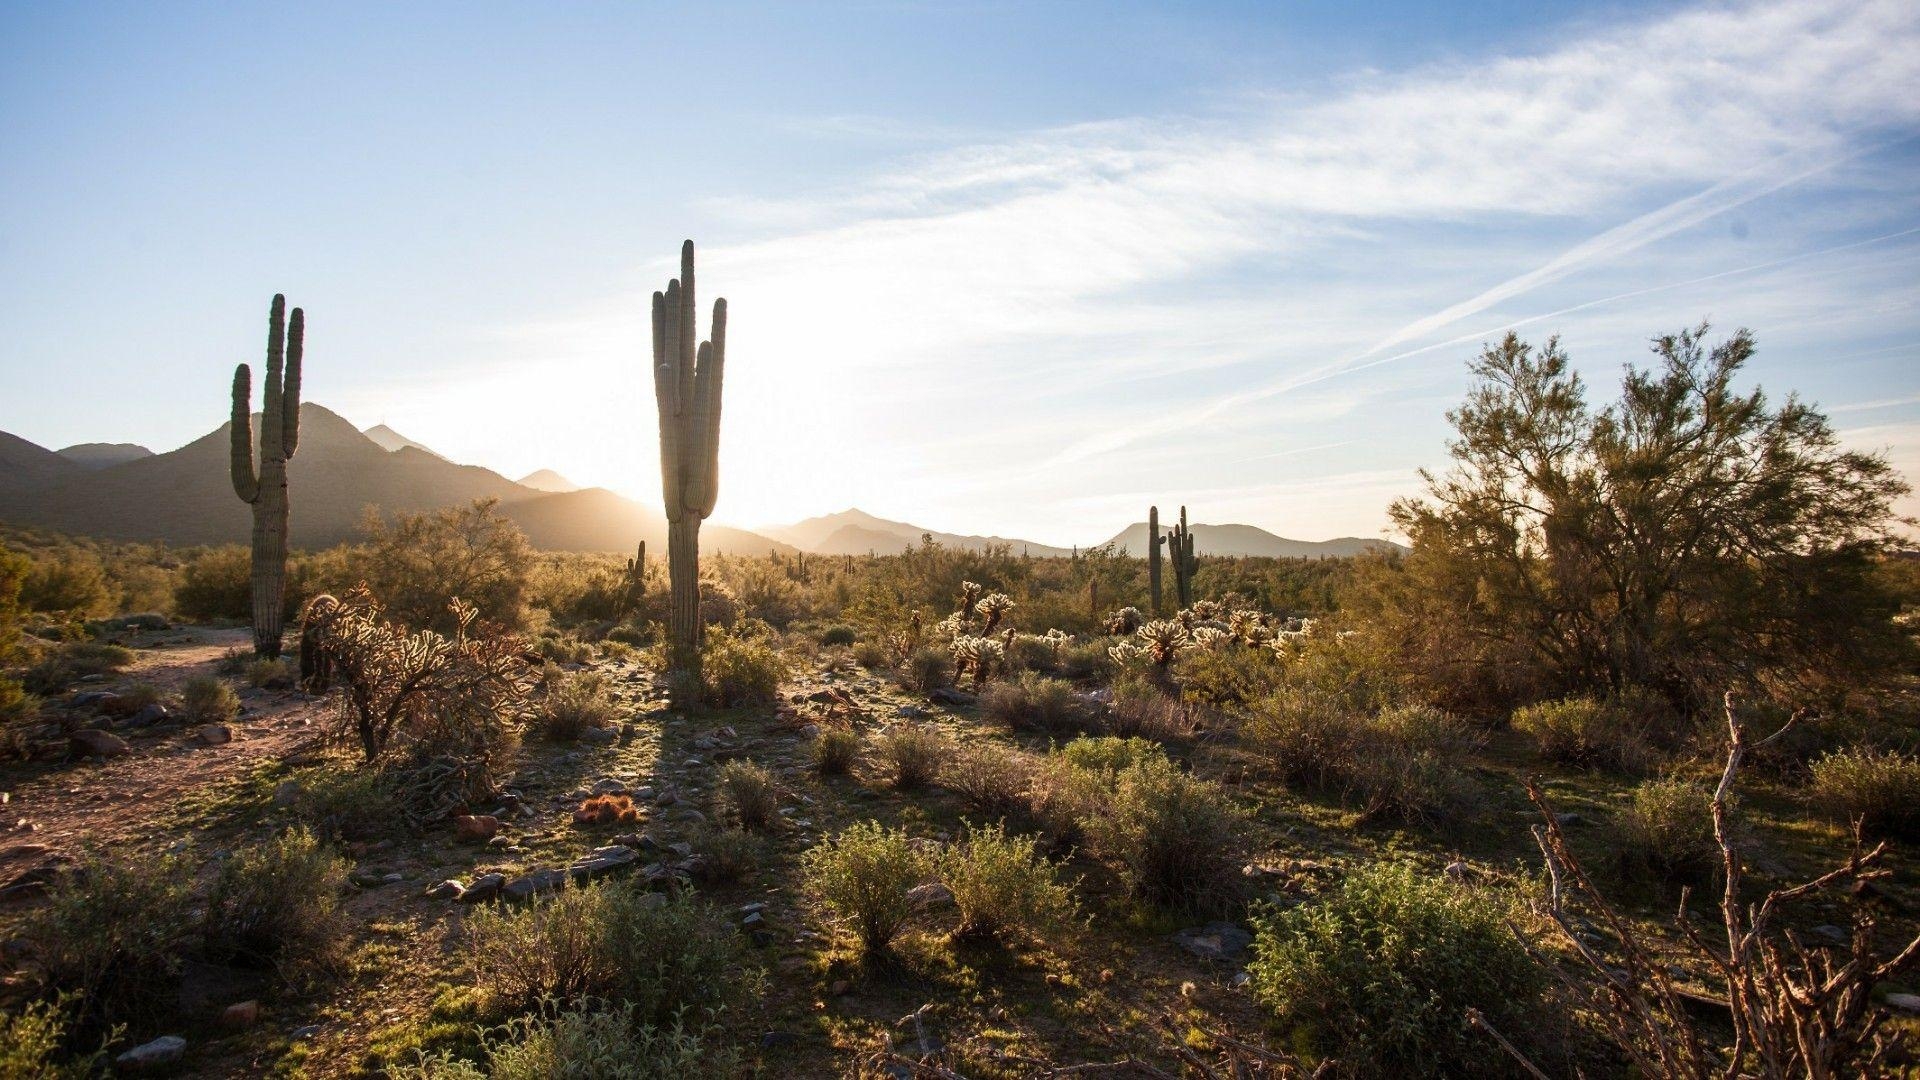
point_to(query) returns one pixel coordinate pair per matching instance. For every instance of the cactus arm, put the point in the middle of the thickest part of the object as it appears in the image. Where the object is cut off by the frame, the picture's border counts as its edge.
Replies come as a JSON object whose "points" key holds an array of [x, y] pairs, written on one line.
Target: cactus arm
{"points": [[290, 396], [245, 483], [713, 367], [272, 437], [686, 357], [665, 386]]}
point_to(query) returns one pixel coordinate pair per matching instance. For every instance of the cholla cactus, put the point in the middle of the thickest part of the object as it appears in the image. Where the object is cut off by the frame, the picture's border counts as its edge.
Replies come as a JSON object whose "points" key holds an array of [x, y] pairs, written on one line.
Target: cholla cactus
{"points": [[976, 656], [1206, 610], [1055, 638], [1163, 640], [1124, 622], [1249, 627], [1126, 653], [992, 608], [970, 594], [1211, 637], [904, 642]]}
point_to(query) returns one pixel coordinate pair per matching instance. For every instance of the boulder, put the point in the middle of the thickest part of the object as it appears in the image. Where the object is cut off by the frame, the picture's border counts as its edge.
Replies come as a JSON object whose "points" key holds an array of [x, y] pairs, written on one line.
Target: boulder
{"points": [[601, 862], [932, 896], [445, 890], [214, 735], [240, 1016], [534, 884], [476, 826], [164, 1050], [1214, 941], [91, 743], [484, 887], [154, 713]]}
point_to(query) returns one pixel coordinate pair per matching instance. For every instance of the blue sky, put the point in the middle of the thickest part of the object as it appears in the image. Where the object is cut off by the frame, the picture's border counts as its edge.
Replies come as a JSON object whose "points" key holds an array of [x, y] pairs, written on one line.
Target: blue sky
{"points": [[1008, 268]]}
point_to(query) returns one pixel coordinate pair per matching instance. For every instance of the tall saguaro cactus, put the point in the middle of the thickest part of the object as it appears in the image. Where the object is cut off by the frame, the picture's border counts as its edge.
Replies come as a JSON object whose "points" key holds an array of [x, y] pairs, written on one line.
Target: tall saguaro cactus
{"points": [[686, 387], [1180, 551], [265, 489], [1154, 543]]}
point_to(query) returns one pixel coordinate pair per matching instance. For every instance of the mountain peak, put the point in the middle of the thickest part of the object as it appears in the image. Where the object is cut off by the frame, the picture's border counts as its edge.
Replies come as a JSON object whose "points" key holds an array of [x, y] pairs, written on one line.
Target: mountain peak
{"points": [[393, 442], [549, 481], [100, 455]]}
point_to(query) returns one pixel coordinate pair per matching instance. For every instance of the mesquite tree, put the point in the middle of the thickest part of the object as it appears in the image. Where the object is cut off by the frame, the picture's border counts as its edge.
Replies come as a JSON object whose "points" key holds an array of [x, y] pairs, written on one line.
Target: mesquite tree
{"points": [[686, 387], [265, 489]]}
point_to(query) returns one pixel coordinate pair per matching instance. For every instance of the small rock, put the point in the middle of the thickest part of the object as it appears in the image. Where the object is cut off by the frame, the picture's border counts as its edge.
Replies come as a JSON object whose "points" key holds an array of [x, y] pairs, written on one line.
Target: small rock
{"points": [[1458, 871], [1905, 1002], [155, 713], [1831, 932], [909, 712], [240, 1015], [947, 695], [93, 697], [446, 890], [932, 896], [1214, 941], [476, 826], [301, 1034], [532, 885], [104, 744], [599, 736], [164, 1050], [214, 735], [485, 887], [778, 1040], [642, 794], [690, 815]]}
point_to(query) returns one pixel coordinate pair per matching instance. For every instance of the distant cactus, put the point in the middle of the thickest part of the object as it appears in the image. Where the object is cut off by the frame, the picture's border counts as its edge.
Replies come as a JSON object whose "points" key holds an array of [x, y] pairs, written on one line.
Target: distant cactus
{"points": [[686, 388], [266, 489], [1180, 553], [633, 584], [1154, 543]]}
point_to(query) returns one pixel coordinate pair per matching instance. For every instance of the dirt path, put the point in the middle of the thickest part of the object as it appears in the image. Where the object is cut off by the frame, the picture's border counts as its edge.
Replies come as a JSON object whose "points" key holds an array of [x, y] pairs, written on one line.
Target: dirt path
{"points": [[55, 810]]}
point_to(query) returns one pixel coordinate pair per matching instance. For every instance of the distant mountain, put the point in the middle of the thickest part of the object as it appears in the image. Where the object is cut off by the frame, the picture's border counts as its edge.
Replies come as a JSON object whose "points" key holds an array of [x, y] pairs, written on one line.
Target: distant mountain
{"points": [[392, 441], [549, 481], [25, 465], [100, 455], [856, 532], [1248, 540], [184, 496]]}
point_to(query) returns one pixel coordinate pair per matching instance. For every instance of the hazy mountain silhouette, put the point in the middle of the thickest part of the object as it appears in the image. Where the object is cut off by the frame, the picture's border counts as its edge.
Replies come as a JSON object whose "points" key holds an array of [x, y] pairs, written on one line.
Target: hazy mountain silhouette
{"points": [[549, 481], [1248, 540], [391, 441], [25, 465], [100, 455], [184, 496], [856, 532]]}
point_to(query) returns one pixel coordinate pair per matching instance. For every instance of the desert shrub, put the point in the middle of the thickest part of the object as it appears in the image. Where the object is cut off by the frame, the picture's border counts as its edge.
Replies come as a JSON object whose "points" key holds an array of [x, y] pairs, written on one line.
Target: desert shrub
{"points": [[1410, 764], [1175, 838], [575, 703], [415, 563], [1586, 732], [581, 1041], [1141, 710], [1107, 756], [747, 795], [610, 941], [1228, 675], [69, 580], [860, 879], [838, 635], [1002, 887], [207, 699], [1380, 970], [73, 661], [926, 669], [911, 753], [216, 584], [606, 810], [344, 804], [1310, 737], [1879, 788], [1083, 661], [835, 750], [736, 670], [556, 649], [992, 779], [727, 855], [1032, 702], [871, 655], [113, 936], [272, 673], [278, 902], [33, 1044], [1032, 652], [1667, 827]]}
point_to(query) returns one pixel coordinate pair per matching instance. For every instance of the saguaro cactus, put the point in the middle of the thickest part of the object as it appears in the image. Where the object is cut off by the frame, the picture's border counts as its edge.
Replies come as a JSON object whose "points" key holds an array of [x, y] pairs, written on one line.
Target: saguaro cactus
{"points": [[686, 387], [1180, 551], [265, 489], [1154, 543]]}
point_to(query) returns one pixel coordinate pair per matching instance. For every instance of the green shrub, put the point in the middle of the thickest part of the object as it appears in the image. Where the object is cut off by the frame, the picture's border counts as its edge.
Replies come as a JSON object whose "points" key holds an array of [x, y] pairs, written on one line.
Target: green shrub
{"points": [[345, 804], [1411, 765], [33, 1044], [927, 668], [728, 856], [1030, 702], [113, 935], [1083, 661], [992, 779], [739, 670], [216, 584], [274, 673], [73, 661], [1586, 732], [871, 655], [575, 703], [1379, 971], [207, 699], [557, 649], [860, 879], [747, 795], [1228, 675], [611, 941], [1878, 788], [559, 1043], [278, 902], [1667, 827], [1002, 886], [835, 750], [838, 635], [1140, 709], [912, 753], [1177, 841], [1309, 736], [1108, 756]]}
